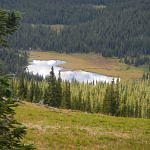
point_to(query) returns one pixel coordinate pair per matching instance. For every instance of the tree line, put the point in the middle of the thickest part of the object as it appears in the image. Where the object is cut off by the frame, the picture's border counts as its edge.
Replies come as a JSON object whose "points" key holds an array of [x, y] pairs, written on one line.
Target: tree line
{"points": [[124, 98]]}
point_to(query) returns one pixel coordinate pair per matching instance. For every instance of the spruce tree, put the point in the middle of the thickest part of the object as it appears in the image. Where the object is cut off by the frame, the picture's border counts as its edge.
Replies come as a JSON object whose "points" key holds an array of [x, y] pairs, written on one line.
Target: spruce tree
{"points": [[37, 93], [116, 99], [58, 94], [11, 132], [112, 98], [53, 93], [66, 99], [32, 93], [68, 96], [107, 101], [21, 92], [88, 102]]}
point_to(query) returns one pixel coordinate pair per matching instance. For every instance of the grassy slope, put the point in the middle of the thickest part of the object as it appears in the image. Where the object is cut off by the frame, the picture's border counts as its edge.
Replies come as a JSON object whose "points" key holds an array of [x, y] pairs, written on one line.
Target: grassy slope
{"points": [[64, 129], [93, 63]]}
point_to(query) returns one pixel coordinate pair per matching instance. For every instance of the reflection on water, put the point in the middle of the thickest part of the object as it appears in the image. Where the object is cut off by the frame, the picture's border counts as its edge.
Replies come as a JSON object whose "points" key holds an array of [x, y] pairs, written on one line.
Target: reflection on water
{"points": [[43, 68]]}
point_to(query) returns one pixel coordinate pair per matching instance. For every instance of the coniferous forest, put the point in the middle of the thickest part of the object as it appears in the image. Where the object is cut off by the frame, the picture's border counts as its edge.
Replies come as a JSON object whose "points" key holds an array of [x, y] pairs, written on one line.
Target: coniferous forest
{"points": [[108, 27], [127, 98], [117, 29]]}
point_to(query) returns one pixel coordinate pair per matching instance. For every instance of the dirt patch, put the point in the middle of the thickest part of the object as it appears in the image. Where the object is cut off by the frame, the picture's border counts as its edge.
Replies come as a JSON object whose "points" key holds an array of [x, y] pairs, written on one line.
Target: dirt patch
{"points": [[93, 131]]}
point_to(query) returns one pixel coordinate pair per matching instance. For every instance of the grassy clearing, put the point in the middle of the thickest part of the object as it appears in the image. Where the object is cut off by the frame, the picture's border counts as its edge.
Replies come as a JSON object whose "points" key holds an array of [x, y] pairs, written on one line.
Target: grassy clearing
{"points": [[50, 128], [99, 7], [93, 63], [57, 28]]}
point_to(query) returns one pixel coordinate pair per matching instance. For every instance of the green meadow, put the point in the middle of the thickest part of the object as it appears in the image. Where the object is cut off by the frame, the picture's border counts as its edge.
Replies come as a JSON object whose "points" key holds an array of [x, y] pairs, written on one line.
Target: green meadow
{"points": [[51, 128]]}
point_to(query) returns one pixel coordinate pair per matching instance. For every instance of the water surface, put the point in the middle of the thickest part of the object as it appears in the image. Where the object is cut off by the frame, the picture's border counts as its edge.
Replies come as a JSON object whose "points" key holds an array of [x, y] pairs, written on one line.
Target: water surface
{"points": [[43, 68]]}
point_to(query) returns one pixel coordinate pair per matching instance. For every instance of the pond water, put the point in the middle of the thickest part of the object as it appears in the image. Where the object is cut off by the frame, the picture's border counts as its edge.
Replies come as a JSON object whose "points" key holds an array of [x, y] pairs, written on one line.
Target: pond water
{"points": [[43, 68]]}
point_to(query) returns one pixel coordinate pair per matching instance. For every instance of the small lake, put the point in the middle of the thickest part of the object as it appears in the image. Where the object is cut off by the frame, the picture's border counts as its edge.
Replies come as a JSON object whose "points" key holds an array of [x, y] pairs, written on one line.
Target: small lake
{"points": [[43, 68]]}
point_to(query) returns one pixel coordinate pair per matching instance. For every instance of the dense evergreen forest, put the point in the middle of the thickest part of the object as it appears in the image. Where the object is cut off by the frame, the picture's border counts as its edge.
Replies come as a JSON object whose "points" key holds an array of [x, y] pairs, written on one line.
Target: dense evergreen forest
{"points": [[108, 27], [13, 61], [126, 98]]}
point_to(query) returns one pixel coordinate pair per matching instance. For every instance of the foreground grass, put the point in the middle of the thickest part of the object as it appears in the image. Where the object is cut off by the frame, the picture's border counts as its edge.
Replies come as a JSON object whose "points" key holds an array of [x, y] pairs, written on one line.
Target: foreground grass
{"points": [[92, 63], [50, 128]]}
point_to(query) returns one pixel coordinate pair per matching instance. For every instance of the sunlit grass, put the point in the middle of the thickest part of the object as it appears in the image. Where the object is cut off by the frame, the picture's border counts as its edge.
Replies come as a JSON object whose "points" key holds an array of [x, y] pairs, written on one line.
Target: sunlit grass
{"points": [[65, 129], [93, 63]]}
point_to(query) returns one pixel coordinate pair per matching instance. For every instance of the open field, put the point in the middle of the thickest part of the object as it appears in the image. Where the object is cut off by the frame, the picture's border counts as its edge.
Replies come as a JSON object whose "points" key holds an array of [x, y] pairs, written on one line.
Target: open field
{"points": [[93, 63], [50, 128], [99, 7], [57, 28]]}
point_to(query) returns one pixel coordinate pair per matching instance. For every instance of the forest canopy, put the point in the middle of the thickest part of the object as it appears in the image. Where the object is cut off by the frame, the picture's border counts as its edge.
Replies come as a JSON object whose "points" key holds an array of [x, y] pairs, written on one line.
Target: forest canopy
{"points": [[108, 27]]}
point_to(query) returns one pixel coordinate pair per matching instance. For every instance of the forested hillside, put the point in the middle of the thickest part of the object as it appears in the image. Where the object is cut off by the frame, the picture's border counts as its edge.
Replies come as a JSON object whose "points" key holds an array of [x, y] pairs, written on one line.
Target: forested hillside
{"points": [[12, 61], [60, 113], [54, 11], [108, 27]]}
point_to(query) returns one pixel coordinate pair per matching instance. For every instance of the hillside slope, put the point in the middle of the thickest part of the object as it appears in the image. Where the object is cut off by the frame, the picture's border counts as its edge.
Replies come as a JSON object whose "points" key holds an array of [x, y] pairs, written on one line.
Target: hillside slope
{"points": [[120, 28], [50, 128]]}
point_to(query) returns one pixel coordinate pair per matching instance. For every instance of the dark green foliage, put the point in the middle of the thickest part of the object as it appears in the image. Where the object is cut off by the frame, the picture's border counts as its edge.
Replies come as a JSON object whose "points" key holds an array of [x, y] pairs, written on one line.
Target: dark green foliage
{"points": [[11, 132], [66, 102], [120, 29], [88, 103], [53, 93], [22, 87], [58, 97], [13, 61], [37, 92], [137, 60], [50, 91], [107, 101], [32, 89], [128, 99], [9, 22], [112, 99], [117, 99], [146, 76], [54, 12]]}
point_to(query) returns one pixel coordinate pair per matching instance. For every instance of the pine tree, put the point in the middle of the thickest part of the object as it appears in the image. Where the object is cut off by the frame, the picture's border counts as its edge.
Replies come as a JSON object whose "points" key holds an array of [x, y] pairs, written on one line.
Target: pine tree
{"points": [[107, 103], [88, 102], [123, 107], [117, 99], [49, 97], [25, 93], [21, 87], [112, 98], [11, 133], [68, 96], [58, 94], [32, 87], [53, 92], [66, 100], [37, 93]]}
